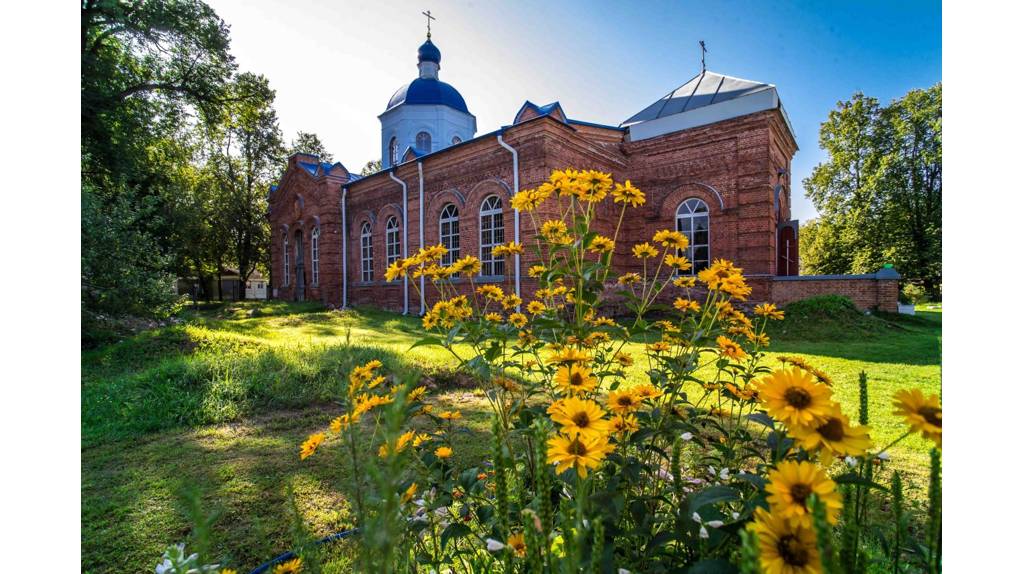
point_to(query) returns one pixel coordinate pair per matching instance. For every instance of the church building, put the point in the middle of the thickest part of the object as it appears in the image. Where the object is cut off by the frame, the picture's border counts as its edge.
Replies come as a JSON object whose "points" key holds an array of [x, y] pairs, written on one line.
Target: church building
{"points": [[712, 156]]}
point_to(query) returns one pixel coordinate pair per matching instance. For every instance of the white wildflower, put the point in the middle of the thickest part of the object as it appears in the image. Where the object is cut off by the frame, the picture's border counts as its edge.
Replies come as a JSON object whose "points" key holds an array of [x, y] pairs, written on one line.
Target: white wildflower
{"points": [[704, 532], [715, 523], [494, 546], [696, 518], [686, 436]]}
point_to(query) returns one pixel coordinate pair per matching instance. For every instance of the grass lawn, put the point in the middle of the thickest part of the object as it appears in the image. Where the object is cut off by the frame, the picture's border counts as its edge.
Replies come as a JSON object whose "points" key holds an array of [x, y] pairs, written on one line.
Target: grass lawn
{"points": [[222, 400]]}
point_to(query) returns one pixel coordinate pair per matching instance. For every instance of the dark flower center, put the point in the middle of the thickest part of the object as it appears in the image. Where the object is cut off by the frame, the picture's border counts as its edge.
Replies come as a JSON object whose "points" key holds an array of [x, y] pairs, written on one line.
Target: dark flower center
{"points": [[797, 397], [792, 551], [577, 448], [832, 430], [576, 379], [625, 401], [800, 492], [932, 415], [581, 419]]}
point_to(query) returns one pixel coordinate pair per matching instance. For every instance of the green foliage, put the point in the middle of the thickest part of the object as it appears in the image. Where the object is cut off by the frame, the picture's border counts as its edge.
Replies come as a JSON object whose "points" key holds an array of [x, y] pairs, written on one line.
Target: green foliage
{"points": [[879, 194], [827, 317], [913, 294]]}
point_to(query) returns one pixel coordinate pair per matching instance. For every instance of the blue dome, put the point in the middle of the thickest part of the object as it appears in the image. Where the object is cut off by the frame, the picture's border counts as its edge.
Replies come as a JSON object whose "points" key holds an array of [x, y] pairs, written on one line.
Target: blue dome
{"points": [[428, 52], [427, 92]]}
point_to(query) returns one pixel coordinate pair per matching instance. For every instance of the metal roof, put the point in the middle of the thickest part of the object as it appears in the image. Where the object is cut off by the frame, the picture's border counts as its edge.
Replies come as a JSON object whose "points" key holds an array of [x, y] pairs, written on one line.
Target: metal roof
{"points": [[704, 89], [430, 92]]}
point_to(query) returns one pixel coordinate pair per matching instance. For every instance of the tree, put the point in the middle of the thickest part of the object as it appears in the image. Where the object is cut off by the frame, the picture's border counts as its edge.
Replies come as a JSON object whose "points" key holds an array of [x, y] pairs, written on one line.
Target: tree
{"points": [[371, 167], [879, 194], [246, 151], [309, 142]]}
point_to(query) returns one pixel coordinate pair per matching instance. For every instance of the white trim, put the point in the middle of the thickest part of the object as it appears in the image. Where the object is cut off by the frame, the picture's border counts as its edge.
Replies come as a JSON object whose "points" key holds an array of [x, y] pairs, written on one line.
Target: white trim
{"points": [[405, 239], [366, 252], [491, 259], [691, 216], [758, 101], [344, 249], [287, 270], [452, 221], [515, 190], [423, 283]]}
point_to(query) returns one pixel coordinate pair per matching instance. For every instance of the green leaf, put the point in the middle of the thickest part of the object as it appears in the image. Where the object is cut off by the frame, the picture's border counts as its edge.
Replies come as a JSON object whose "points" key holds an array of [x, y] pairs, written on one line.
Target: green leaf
{"points": [[712, 495], [762, 418], [712, 566], [455, 530]]}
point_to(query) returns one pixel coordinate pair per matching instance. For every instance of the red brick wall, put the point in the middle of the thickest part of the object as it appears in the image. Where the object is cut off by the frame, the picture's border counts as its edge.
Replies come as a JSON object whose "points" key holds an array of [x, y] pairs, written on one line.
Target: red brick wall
{"points": [[866, 292]]}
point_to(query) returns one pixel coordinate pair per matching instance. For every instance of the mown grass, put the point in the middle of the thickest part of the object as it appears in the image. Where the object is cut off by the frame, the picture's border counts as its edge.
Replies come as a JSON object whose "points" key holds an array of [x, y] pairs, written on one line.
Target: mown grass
{"points": [[221, 401]]}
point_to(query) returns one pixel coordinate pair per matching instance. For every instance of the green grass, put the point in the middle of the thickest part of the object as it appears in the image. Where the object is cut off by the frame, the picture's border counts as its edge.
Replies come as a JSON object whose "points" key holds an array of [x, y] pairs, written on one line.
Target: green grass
{"points": [[221, 402]]}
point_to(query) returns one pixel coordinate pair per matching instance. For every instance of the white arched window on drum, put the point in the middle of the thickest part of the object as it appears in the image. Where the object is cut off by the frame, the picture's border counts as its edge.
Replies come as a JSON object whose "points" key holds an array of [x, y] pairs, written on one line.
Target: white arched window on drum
{"points": [[393, 151], [366, 252], [392, 241], [694, 219], [314, 253], [423, 142], [449, 233], [492, 234]]}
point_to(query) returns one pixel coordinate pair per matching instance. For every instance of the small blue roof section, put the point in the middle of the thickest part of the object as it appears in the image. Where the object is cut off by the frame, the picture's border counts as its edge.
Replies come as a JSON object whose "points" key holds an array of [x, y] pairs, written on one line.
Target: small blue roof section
{"points": [[428, 92], [553, 109], [310, 167], [428, 52]]}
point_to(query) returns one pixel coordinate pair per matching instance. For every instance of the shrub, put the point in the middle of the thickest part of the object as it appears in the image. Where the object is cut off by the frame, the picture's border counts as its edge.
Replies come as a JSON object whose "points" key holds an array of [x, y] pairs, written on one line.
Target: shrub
{"points": [[913, 294], [746, 468]]}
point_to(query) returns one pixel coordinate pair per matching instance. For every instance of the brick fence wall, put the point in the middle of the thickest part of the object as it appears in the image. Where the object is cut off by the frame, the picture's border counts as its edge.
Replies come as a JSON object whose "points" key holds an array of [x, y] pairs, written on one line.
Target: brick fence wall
{"points": [[876, 291]]}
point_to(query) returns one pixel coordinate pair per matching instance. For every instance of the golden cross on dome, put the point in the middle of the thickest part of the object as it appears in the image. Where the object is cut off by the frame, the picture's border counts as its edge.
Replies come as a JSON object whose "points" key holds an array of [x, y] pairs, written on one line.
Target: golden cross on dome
{"points": [[429, 18], [703, 51]]}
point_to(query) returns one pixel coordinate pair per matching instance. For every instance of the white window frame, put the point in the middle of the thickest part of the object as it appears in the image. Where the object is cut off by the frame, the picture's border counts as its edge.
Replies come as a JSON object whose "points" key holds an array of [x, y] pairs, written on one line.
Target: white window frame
{"points": [[430, 142], [287, 266], [492, 234], [392, 241], [449, 215], [366, 252], [689, 212], [314, 252], [456, 140]]}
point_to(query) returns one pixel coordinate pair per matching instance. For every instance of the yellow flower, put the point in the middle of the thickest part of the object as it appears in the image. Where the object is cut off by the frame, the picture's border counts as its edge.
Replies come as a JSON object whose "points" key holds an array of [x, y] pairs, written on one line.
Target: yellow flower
{"points": [[623, 402], [310, 445], [792, 483], [512, 248], [293, 566], [922, 413], [227, 571], [492, 292], [628, 278], [468, 264], [624, 424], [769, 310], [570, 355], [644, 251], [624, 359], [626, 193], [396, 270], [511, 301], [341, 423], [794, 398], [646, 391], [683, 305], [581, 452], [417, 393], [527, 200], [579, 417], [602, 244], [517, 543], [451, 415], [659, 347], [678, 262], [574, 379], [783, 546], [536, 270], [536, 308], [685, 281], [554, 229], [669, 238], [595, 185], [517, 320], [730, 348], [762, 340], [409, 493], [493, 317], [420, 439], [443, 452], [404, 440], [833, 436]]}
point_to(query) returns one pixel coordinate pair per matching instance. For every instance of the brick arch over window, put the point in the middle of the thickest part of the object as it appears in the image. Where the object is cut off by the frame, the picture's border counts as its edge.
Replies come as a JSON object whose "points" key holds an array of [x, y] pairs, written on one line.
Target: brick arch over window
{"points": [[707, 193]]}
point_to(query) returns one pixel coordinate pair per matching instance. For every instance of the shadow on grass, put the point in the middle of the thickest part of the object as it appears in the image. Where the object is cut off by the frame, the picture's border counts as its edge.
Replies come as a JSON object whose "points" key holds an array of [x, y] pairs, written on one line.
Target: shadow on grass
{"points": [[130, 511]]}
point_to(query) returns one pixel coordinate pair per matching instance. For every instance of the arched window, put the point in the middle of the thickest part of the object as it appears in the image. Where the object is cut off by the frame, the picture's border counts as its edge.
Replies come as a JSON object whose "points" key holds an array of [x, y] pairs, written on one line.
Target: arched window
{"points": [[450, 233], [287, 263], [423, 142], [492, 234], [393, 151], [456, 140], [392, 241], [693, 219], [366, 252], [314, 253]]}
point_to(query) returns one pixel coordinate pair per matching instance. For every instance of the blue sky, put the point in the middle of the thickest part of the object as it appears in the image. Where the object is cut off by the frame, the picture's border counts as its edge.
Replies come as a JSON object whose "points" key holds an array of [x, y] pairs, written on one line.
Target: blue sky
{"points": [[335, 64]]}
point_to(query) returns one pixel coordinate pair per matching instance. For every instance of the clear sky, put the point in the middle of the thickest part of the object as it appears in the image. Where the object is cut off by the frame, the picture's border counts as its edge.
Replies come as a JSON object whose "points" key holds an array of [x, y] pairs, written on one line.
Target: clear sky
{"points": [[335, 64]]}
